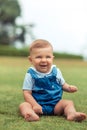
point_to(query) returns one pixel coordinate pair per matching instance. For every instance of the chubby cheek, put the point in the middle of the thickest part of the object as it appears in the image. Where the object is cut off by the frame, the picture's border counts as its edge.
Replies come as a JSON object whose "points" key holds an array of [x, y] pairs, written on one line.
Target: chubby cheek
{"points": [[50, 62], [36, 63]]}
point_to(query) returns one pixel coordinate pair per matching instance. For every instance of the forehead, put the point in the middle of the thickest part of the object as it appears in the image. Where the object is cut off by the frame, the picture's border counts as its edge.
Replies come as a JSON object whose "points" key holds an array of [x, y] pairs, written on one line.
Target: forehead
{"points": [[47, 50]]}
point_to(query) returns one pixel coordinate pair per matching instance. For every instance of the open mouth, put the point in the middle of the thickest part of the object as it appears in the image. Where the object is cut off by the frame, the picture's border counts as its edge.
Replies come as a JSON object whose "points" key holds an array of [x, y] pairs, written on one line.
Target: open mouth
{"points": [[43, 66]]}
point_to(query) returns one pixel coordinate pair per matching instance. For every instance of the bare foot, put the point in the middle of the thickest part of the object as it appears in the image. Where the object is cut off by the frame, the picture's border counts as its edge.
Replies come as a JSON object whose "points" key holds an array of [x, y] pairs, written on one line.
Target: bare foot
{"points": [[32, 117], [78, 116]]}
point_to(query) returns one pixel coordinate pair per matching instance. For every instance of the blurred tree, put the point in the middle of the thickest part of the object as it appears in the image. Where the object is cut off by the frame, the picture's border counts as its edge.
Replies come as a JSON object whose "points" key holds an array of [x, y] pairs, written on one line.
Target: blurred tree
{"points": [[9, 11]]}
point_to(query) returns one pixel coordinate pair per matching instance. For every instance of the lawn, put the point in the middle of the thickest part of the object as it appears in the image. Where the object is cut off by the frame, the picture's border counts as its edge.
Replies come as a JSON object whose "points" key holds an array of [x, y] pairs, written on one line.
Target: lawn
{"points": [[12, 72]]}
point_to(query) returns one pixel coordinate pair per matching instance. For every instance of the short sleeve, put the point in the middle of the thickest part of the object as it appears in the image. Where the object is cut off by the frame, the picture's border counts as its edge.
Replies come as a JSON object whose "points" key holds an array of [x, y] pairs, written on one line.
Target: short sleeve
{"points": [[60, 78], [28, 82]]}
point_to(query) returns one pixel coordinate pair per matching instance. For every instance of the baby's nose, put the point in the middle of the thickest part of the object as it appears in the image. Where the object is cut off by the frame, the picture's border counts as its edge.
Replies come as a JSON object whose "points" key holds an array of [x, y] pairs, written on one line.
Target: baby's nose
{"points": [[43, 59]]}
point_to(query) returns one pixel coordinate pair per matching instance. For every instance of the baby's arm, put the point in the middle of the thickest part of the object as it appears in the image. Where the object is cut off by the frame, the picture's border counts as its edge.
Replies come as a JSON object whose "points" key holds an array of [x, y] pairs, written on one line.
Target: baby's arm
{"points": [[29, 98], [66, 86], [69, 88]]}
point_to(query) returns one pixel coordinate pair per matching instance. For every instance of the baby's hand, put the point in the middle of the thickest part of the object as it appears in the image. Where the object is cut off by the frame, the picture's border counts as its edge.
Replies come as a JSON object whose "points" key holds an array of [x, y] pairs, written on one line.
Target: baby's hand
{"points": [[72, 89], [37, 109]]}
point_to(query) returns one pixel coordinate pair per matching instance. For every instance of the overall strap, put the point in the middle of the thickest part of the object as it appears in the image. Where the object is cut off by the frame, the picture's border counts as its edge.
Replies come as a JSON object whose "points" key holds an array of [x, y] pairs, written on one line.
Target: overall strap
{"points": [[54, 71], [33, 73]]}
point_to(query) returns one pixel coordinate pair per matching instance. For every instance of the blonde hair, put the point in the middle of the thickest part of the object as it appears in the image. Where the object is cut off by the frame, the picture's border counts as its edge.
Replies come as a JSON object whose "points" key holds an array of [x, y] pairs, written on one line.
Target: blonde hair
{"points": [[39, 43]]}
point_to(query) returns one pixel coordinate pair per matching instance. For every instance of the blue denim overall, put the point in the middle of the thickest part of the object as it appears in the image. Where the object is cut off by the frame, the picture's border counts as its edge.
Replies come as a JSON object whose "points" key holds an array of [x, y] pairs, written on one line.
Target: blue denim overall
{"points": [[46, 91]]}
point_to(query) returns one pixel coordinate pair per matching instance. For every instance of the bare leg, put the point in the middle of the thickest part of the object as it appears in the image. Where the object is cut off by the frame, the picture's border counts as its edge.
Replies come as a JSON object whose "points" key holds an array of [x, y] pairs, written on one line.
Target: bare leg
{"points": [[27, 112], [67, 108]]}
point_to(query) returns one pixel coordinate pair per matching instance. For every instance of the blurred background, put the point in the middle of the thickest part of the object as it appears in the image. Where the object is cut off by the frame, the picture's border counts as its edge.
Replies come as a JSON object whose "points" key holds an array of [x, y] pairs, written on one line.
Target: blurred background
{"points": [[63, 23]]}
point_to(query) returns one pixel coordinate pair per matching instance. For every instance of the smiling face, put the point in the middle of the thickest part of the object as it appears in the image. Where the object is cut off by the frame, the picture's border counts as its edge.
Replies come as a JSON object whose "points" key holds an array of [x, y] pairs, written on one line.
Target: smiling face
{"points": [[42, 59]]}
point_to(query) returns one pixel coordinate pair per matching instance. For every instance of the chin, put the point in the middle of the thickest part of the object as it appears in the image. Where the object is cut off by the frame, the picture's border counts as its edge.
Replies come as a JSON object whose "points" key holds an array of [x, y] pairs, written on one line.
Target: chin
{"points": [[44, 71]]}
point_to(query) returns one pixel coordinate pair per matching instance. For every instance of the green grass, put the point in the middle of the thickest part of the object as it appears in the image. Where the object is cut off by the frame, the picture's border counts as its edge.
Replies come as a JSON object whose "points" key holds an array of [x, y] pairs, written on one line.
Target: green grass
{"points": [[12, 71]]}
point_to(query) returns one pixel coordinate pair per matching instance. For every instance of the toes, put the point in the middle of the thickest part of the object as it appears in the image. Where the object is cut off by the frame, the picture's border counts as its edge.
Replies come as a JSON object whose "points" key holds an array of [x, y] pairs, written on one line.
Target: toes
{"points": [[32, 117], [80, 117]]}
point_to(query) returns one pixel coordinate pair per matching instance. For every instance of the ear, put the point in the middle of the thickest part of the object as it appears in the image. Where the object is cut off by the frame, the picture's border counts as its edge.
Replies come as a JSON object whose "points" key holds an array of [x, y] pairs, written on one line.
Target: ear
{"points": [[53, 57], [30, 59]]}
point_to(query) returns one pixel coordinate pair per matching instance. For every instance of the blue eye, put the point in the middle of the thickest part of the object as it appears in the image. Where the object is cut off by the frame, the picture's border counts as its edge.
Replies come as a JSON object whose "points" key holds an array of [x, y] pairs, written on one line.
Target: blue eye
{"points": [[38, 57], [48, 57]]}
